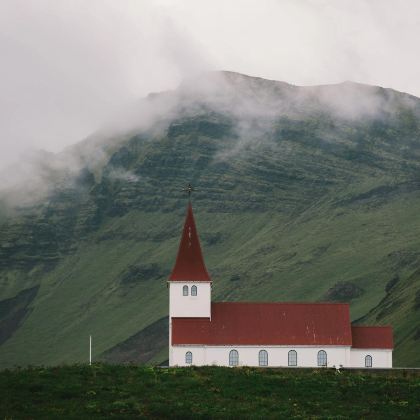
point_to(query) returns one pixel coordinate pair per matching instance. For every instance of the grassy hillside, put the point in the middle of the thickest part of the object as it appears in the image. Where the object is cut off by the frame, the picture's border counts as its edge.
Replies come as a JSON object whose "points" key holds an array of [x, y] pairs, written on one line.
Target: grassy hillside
{"points": [[301, 194], [131, 392]]}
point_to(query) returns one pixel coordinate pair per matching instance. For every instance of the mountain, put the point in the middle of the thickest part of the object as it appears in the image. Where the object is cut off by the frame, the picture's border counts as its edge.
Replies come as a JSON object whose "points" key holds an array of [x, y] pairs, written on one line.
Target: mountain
{"points": [[302, 193]]}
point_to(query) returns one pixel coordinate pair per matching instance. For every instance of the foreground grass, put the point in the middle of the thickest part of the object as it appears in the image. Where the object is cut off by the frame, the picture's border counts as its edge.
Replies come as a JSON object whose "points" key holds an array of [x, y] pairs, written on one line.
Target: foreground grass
{"points": [[130, 391]]}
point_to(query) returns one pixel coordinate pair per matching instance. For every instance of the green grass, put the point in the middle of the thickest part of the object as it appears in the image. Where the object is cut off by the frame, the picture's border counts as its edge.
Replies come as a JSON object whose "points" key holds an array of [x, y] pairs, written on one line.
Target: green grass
{"points": [[104, 391]]}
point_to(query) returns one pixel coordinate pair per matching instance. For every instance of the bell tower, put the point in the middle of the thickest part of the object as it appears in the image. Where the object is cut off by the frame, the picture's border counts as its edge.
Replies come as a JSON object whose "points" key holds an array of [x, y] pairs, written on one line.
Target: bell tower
{"points": [[189, 283]]}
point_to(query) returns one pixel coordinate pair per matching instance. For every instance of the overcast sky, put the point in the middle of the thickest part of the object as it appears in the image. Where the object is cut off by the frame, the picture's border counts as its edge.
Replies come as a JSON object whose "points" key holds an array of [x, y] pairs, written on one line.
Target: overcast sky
{"points": [[67, 66]]}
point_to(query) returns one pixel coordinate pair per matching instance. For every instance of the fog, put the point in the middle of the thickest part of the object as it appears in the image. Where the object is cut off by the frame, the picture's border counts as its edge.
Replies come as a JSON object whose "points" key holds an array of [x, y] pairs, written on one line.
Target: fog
{"points": [[70, 67]]}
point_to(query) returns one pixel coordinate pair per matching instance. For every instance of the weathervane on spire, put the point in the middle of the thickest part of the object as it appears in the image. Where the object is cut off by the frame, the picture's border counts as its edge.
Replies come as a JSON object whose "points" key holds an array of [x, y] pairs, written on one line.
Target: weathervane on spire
{"points": [[189, 190]]}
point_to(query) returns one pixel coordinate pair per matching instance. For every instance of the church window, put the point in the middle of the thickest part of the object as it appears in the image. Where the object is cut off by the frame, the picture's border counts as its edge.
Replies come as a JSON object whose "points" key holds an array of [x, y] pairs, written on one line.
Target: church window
{"points": [[292, 358], [194, 291], [263, 358], [185, 291], [368, 361], [322, 358], [233, 358], [188, 357]]}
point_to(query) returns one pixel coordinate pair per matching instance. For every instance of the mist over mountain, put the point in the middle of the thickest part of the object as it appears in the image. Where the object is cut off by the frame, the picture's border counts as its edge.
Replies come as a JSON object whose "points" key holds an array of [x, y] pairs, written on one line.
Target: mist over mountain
{"points": [[302, 193], [252, 104]]}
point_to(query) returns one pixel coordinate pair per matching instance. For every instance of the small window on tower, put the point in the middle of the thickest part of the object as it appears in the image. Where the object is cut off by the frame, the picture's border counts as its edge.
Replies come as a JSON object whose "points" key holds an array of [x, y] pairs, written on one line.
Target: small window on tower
{"points": [[368, 361], [185, 291], [188, 358], [194, 291]]}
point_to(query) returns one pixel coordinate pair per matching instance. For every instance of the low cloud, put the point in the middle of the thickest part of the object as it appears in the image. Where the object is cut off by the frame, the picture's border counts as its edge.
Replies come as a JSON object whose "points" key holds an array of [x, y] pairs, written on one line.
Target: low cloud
{"points": [[68, 67], [73, 68], [123, 175]]}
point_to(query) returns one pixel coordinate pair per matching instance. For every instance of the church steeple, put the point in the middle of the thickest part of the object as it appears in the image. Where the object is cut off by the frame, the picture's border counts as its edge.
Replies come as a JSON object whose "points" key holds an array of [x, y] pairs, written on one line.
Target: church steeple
{"points": [[189, 265]]}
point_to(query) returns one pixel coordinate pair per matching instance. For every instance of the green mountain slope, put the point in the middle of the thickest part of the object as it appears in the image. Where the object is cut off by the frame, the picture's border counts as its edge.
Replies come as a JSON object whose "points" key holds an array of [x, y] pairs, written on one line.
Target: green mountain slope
{"points": [[301, 194]]}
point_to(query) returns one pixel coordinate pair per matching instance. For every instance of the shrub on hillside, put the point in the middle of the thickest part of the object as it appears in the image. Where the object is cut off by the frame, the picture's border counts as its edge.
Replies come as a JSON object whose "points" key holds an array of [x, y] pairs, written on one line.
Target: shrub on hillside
{"points": [[343, 292], [392, 283]]}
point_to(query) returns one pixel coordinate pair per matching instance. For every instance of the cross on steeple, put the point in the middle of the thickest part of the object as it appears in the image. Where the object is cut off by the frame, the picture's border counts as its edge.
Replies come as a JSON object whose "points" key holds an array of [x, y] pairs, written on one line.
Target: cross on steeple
{"points": [[189, 190]]}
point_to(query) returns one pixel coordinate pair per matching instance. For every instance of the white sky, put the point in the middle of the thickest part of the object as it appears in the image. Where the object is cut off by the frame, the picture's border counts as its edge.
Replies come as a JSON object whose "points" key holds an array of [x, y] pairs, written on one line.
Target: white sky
{"points": [[68, 65]]}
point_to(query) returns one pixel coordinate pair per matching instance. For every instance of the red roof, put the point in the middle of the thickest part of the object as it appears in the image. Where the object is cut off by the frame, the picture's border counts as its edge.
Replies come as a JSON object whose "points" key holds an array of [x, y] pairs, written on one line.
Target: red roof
{"points": [[372, 337], [189, 265], [243, 323]]}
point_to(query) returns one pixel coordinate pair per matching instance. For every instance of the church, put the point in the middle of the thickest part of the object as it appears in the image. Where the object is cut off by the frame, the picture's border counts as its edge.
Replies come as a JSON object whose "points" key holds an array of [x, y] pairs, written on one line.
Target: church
{"points": [[278, 334]]}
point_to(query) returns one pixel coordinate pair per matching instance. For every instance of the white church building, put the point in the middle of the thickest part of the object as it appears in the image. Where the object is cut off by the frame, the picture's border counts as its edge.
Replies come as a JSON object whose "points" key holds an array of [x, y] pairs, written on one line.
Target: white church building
{"points": [[202, 332]]}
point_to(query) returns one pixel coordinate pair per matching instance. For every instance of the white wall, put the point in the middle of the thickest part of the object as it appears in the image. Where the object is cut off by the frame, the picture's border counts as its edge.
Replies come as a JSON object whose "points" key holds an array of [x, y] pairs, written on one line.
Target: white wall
{"points": [[189, 306], [248, 355], [380, 358]]}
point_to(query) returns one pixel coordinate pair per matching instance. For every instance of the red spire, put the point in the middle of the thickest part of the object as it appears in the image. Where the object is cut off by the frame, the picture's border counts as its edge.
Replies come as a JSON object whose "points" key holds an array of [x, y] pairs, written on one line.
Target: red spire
{"points": [[189, 265]]}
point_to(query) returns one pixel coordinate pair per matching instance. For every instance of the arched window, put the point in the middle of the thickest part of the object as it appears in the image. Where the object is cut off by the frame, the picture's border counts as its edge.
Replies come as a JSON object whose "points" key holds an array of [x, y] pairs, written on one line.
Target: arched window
{"points": [[322, 358], [292, 358], [233, 358], [263, 358], [188, 357], [194, 291], [185, 290], [368, 361]]}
